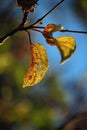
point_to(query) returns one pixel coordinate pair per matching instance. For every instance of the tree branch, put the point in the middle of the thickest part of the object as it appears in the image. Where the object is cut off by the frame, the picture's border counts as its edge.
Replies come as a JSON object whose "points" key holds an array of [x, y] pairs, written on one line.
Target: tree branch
{"points": [[18, 28], [22, 27]]}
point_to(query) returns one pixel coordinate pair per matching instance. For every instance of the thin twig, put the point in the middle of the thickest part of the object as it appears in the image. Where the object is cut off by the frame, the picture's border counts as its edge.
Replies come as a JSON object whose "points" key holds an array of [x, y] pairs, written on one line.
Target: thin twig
{"points": [[64, 30], [36, 30], [39, 20], [24, 19], [32, 27], [47, 13], [74, 31]]}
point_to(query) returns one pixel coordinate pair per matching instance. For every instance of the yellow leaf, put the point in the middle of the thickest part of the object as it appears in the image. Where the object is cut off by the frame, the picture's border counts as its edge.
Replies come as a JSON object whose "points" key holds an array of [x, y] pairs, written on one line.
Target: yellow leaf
{"points": [[39, 66], [66, 46]]}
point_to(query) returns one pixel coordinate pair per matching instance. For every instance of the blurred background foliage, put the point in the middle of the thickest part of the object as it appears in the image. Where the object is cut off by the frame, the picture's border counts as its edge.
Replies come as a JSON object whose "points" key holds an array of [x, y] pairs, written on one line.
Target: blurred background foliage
{"points": [[48, 105]]}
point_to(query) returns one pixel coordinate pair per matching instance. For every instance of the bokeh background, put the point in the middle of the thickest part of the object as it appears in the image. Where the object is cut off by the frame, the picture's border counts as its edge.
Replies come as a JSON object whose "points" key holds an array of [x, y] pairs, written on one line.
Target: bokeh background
{"points": [[63, 91]]}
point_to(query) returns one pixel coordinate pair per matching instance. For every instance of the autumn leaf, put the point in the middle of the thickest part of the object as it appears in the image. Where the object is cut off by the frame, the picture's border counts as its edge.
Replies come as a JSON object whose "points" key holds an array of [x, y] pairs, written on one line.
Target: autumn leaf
{"points": [[39, 66], [48, 33], [66, 46]]}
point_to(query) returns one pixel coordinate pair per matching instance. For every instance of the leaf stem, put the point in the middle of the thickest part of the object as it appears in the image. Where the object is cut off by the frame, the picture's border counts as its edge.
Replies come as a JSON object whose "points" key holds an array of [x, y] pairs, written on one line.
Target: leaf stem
{"points": [[31, 47], [29, 36], [37, 30]]}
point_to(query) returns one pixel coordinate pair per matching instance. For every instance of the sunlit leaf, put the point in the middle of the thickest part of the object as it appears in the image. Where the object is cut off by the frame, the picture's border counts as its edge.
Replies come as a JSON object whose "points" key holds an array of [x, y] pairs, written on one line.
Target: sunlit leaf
{"points": [[48, 33], [50, 28], [39, 66], [66, 46]]}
